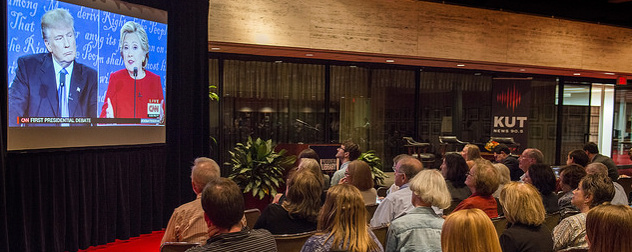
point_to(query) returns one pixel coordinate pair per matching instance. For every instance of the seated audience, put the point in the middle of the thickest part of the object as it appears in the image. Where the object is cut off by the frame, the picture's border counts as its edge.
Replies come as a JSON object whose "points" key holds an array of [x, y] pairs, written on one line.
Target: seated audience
{"points": [[482, 181], [420, 228], [187, 221], [609, 228], [543, 178], [396, 159], [592, 150], [398, 202], [529, 157], [503, 155], [504, 178], [577, 157], [592, 191], [347, 152], [223, 204], [306, 165], [309, 153], [469, 230], [570, 176], [454, 170], [342, 224], [525, 215], [619, 193], [299, 210], [471, 153], [359, 175]]}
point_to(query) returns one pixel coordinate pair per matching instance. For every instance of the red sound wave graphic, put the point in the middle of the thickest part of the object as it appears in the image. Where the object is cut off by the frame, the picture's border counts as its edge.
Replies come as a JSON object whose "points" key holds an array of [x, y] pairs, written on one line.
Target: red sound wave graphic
{"points": [[510, 98]]}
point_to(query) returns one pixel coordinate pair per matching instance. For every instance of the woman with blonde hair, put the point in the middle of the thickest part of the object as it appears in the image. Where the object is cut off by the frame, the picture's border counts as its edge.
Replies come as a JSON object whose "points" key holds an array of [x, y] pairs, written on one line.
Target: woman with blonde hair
{"points": [[359, 174], [609, 228], [342, 224], [471, 153], [525, 214], [420, 228], [504, 178], [469, 230]]}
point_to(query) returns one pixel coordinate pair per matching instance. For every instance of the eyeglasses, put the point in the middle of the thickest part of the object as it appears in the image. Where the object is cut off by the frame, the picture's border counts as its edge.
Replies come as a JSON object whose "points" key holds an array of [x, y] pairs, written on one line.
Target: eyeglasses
{"points": [[340, 148]]}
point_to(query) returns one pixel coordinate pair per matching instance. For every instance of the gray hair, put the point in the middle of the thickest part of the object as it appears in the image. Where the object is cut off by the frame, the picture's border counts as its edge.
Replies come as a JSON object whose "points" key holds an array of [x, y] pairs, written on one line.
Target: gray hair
{"points": [[203, 170], [133, 27], [55, 18]]}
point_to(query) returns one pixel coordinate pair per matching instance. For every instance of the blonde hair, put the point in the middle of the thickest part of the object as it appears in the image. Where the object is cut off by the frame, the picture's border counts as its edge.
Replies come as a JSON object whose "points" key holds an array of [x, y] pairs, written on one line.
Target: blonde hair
{"points": [[311, 165], [133, 27], [303, 196], [344, 217], [360, 175], [503, 173], [469, 230], [430, 187], [609, 228], [473, 152], [203, 170], [522, 204], [486, 176]]}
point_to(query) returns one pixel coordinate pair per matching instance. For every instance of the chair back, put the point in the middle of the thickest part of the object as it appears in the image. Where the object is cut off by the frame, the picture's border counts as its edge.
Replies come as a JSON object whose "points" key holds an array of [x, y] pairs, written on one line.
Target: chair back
{"points": [[292, 242], [552, 220], [177, 246], [451, 208], [252, 215], [500, 224], [381, 192], [380, 233], [626, 183], [371, 209]]}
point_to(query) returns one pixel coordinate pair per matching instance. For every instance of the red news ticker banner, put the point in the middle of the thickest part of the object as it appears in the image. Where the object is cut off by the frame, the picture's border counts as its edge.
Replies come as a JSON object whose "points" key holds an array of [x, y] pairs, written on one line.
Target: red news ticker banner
{"points": [[510, 109]]}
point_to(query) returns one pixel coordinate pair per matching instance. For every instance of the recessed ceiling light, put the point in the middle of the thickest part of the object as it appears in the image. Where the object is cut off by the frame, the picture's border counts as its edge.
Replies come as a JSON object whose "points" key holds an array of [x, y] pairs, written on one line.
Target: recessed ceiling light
{"points": [[353, 66], [522, 70], [460, 65], [609, 73], [309, 54], [477, 74], [215, 48], [390, 61], [278, 61], [577, 74]]}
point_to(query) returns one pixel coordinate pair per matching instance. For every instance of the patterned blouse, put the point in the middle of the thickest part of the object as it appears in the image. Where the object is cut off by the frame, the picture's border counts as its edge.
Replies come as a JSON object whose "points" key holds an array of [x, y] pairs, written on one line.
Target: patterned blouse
{"points": [[571, 232], [320, 243]]}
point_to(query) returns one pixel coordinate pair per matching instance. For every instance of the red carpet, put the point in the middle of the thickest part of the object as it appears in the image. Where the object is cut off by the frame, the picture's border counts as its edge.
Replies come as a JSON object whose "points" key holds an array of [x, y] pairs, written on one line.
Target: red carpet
{"points": [[143, 243]]}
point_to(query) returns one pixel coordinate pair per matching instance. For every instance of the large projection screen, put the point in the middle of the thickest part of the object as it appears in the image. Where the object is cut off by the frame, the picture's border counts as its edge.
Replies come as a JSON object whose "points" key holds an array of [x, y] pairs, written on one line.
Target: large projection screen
{"points": [[98, 82]]}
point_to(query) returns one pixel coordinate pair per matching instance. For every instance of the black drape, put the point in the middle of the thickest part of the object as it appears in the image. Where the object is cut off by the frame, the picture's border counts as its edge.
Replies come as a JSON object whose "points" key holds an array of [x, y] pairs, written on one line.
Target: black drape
{"points": [[68, 199]]}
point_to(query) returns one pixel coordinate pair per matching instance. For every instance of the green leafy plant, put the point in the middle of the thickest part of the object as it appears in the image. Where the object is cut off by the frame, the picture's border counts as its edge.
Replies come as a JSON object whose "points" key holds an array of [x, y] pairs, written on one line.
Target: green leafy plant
{"points": [[376, 166], [212, 95], [257, 168]]}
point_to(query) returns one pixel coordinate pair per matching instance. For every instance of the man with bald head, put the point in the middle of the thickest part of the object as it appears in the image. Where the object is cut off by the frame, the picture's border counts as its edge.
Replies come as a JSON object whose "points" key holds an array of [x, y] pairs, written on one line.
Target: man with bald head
{"points": [[397, 203], [187, 222], [619, 193], [529, 156]]}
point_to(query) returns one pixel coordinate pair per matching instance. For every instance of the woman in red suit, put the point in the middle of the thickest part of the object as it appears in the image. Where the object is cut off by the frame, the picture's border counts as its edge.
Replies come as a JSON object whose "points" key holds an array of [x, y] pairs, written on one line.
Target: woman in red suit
{"points": [[134, 92]]}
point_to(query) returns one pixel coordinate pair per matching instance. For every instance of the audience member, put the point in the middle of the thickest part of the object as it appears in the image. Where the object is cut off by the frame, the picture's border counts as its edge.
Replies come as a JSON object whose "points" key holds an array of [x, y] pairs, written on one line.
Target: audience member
{"points": [[543, 178], [592, 191], [309, 153], [454, 170], [609, 228], [482, 181], [398, 202], [529, 156], [471, 153], [592, 151], [396, 159], [420, 228], [619, 193], [223, 204], [577, 157], [503, 155], [187, 221], [570, 176], [504, 178], [525, 215], [347, 152], [299, 210], [359, 175], [469, 230], [342, 224]]}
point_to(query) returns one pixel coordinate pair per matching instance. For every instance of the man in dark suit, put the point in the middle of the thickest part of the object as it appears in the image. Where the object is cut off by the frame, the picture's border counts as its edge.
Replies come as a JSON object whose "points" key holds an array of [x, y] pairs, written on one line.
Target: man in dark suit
{"points": [[592, 150], [503, 155], [52, 84]]}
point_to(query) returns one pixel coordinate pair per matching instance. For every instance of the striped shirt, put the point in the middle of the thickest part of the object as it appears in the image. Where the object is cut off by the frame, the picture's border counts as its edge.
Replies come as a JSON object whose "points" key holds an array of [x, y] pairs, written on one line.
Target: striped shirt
{"points": [[258, 240]]}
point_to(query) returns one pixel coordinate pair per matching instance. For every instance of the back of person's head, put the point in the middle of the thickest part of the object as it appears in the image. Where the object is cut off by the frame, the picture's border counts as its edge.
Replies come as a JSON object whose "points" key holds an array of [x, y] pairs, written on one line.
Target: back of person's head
{"points": [[410, 166], [56, 18], [572, 174], [312, 166], [223, 202], [599, 187], [487, 178], [397, 158], [303, 195], [203, 170], [504, 175], [597, 168], [309, 153], [522, 203], [430, 187], [502, 148], [591, 147], [535, 154], [353, 149], [360, 175], [456, 169], [469, 230], [345, 216], [543, 178], [473, 152], [579, 157], [609, 228]]}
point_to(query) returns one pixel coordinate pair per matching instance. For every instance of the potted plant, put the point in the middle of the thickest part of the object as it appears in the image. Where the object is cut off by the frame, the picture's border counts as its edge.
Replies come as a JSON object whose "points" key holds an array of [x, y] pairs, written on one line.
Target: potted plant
{"points": [[258, 170], [376, 166]]}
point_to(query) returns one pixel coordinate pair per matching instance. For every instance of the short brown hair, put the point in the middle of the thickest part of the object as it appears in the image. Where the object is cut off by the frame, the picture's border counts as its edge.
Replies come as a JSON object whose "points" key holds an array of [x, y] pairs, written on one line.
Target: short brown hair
{"points": [[410, 166], [473, 152], [353, 149], [573, 173], [360, 175], [223, 202], [487, 178], [522, 204], [600, 187]]}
